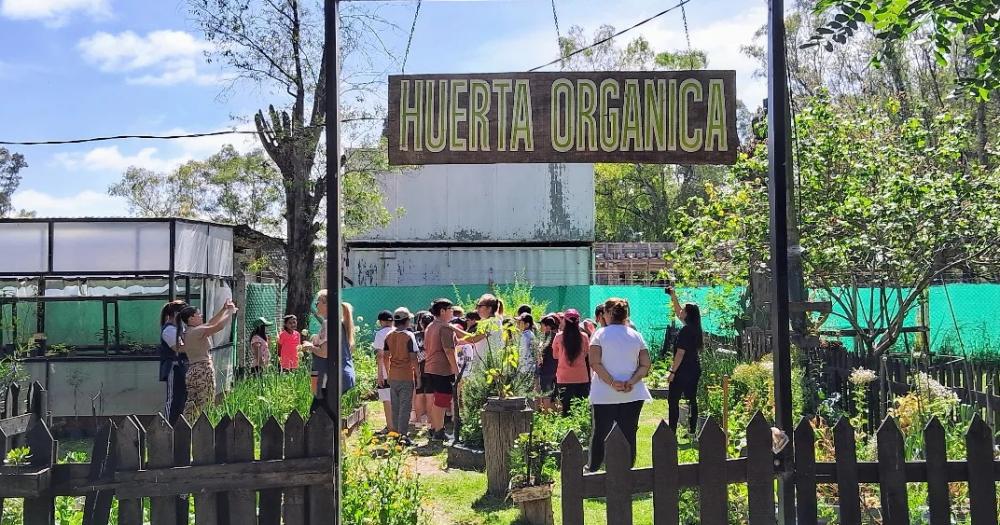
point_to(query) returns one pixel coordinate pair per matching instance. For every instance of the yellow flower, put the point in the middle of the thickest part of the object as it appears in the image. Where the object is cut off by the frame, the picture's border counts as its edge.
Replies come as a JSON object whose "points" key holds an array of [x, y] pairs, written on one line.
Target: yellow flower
{"points": [[393, 434], [399, 448]]}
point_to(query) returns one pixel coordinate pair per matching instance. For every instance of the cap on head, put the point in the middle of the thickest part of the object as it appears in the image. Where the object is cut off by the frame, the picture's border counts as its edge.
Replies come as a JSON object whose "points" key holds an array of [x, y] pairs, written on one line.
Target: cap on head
{"points": [[572, 315], [401, 314], [386, 315]]}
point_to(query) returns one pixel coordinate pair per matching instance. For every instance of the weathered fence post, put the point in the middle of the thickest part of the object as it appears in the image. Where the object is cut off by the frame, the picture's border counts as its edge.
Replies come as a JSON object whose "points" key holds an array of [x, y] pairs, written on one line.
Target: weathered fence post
{"points": [[936, 456], [160, 440], [844, 445], [503, 420], [982, 485], [891, 474], [666, 506], [571, 473], [760, 471], [129, 460], [97, 505], [619, 478], [295, 447], [318, 432], [805, 471], [271, 447], [712, 484], [206, 508]]}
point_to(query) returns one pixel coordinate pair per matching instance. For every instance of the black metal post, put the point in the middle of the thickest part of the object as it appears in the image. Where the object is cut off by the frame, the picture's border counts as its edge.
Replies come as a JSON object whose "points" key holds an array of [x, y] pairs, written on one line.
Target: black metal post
{"points": [[330, 58], [779, 168]]}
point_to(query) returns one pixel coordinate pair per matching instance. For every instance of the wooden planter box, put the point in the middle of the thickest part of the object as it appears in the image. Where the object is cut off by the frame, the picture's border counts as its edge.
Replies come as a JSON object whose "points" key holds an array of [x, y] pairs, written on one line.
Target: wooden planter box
{"points": [[659, 393], [28, 481], [535, 504], [354, 420], [465, 458]]}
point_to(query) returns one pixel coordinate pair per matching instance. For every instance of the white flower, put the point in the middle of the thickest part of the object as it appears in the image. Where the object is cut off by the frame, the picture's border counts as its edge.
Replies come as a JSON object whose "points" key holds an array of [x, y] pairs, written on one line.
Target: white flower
{"points": [[862, 376]]}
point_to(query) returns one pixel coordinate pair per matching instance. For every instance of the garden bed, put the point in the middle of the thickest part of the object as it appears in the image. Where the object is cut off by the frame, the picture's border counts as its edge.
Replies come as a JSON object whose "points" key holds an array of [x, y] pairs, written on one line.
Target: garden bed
{"points": [[466, 458], [27, 481], [354, 420], [659, 393]]}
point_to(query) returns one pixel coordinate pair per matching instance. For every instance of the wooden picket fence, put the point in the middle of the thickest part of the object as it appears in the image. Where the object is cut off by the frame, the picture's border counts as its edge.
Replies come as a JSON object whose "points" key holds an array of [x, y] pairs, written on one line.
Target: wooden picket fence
{"points": [[290, 482], [757, 469], [976, 382]]}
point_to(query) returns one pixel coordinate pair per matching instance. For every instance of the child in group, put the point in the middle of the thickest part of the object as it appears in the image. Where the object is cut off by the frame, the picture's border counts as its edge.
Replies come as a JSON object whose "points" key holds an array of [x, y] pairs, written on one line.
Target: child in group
{"points": [[260, 345], [385, 327], [526, 347], [400, 352], [288, 344]]}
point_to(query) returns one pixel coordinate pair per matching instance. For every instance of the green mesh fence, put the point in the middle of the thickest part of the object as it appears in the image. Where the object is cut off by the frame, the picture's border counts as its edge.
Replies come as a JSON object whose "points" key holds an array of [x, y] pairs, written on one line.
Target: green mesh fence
{"points": [[972, 327], [265, 300]]}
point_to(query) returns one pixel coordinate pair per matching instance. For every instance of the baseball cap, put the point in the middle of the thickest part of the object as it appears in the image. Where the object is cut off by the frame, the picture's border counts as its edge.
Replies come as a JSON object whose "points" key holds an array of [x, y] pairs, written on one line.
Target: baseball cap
{"points": [[385, 315], [572, 315], [401, 314]]}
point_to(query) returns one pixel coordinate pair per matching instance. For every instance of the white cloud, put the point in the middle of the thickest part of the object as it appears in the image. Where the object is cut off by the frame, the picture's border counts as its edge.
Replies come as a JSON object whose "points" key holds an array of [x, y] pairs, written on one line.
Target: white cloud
{"points": [[160, 58], [53, 13], [87, 203]]}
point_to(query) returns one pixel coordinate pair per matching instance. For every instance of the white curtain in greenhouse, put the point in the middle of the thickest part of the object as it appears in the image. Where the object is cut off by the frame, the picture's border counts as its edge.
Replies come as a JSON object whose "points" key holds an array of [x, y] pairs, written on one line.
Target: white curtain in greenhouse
{"points": [[191, 248], [110, 246], [25, 247], [220, 251], [217, 292]]}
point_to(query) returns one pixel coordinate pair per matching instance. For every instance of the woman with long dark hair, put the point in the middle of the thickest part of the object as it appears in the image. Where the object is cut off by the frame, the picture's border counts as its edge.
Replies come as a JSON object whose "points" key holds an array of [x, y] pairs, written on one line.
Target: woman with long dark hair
{"points": [[546, 369], [569, 349], [685, 369], [196, 335], [173, 364]]}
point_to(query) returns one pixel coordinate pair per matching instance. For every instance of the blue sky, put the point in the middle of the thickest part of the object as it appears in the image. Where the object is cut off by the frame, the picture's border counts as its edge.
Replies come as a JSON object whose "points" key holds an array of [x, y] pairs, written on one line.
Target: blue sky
{"points": [[80, 68]]}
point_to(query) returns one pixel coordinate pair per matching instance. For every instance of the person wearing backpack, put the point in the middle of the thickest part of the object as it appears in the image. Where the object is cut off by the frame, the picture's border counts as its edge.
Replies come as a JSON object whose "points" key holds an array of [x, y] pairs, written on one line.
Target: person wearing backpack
{"points": [[173, 364]]}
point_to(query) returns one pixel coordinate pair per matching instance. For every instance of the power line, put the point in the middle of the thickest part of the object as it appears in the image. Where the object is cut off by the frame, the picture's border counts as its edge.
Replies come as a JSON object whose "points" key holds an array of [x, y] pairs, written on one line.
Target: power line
{"points": [[409, 41], [620, 33], [155, 137], [555, 18]]}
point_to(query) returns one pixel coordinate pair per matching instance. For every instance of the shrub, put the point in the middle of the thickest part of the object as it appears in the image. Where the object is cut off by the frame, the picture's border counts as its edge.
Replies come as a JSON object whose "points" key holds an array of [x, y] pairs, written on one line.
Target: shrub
{"points": [[379, 487]]}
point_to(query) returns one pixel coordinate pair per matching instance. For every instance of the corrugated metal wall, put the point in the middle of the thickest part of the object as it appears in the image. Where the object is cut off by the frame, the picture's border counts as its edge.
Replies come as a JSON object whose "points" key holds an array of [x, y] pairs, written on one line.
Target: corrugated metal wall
{"points": [[490, 203], [541, 266]]}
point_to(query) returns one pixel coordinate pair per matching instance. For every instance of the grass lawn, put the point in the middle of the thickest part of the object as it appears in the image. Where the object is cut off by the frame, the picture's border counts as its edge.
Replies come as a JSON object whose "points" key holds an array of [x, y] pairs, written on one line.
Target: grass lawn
{"points": [[458, 497]]}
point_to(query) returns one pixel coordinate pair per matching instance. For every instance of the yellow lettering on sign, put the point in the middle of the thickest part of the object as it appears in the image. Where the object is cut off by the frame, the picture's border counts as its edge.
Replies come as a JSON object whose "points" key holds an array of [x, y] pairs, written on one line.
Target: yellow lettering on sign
{"points": [[521, 130]]}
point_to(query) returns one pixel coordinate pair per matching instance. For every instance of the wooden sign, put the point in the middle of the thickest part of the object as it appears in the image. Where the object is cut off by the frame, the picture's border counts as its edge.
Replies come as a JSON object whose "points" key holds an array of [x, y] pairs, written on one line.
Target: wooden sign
{"points": [[662, 117]]}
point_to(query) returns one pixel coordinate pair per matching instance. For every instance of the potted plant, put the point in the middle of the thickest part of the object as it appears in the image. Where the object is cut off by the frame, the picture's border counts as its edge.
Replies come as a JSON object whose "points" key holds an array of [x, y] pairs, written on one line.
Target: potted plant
{"points": [[533, 470], [505, 414]]}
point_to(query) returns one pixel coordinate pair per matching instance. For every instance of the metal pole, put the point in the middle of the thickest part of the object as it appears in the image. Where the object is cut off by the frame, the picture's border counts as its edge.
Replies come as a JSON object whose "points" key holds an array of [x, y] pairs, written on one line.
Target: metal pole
{"points": [[330, 57], [779, 168]]}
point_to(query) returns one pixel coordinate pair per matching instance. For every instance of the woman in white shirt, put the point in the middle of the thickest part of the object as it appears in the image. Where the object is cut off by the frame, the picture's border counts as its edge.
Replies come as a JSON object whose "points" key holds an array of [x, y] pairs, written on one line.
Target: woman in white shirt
{"points": [[619, 359]]}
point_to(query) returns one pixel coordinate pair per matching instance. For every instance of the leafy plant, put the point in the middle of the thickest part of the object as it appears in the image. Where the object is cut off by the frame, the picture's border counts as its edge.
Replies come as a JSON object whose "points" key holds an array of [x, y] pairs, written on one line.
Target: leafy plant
{"points": [[19, 456], [380, 487]]}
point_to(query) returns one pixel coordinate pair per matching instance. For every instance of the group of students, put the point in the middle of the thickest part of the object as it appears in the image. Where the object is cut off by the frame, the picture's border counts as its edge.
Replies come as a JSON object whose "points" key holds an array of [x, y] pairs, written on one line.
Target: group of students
{"points": [[421, 358], [186, 360]]}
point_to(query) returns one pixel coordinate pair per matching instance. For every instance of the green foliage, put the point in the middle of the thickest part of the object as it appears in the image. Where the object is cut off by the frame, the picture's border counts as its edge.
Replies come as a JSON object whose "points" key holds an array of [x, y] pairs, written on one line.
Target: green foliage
{"points": [[270, 394], [18, 456], [972, 22], [232, 187], [380, 487], [532, 460], [10, 178], [898, 204]]}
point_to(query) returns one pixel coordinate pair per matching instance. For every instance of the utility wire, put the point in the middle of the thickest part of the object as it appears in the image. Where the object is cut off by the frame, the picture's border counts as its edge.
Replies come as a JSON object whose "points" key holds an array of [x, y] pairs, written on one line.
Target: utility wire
{"points": [[555, 18], [155, 137], [409, 41], [620, 33]]}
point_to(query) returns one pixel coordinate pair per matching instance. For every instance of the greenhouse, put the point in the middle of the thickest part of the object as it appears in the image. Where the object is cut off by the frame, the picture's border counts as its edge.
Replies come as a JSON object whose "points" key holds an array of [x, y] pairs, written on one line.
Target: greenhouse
{"points": [[80, 300]]}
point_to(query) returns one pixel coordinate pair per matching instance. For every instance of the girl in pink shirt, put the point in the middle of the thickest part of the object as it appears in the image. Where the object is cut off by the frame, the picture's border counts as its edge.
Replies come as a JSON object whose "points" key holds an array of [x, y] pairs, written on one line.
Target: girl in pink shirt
{"points": [[288, 344], [569, 348]]}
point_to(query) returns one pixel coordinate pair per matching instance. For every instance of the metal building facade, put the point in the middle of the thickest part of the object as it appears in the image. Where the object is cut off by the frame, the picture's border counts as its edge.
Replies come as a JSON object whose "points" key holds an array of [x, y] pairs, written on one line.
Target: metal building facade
{"points": [[480, 224], [489, 203], [542, 266]]}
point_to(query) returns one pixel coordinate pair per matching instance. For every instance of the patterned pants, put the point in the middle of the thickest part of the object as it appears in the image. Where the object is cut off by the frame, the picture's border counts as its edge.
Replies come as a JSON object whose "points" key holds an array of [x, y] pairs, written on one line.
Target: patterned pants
{"points": [[200, 390]]}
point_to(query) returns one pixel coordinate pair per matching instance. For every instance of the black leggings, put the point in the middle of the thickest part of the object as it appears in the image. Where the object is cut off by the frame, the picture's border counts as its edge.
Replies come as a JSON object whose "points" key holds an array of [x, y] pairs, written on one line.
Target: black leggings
{"points": [[176, 392], [625, 416], [570, 391], [689, 390]]}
